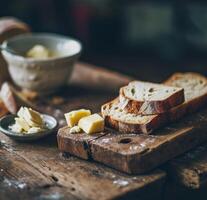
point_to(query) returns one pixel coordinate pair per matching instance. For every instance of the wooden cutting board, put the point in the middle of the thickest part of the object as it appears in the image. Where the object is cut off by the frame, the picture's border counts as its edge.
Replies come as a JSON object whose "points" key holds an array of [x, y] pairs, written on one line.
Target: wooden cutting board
{"points": [[135, 154]]}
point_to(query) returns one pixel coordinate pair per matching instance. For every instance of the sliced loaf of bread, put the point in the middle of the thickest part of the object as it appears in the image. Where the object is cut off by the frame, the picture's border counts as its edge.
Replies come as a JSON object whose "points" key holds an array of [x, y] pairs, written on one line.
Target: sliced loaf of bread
{"points": [[195, 87], [117, 118], [149, 98]]}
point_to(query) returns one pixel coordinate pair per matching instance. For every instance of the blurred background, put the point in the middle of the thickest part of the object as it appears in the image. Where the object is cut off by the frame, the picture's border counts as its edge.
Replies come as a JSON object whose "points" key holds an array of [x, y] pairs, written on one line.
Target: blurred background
{"points": [[145, 39]]}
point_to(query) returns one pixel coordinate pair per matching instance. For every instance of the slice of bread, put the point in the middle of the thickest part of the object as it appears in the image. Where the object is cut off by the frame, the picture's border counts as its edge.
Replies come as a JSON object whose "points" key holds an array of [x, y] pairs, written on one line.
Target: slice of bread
{"points": [[195, 87], [117, 118], [149, 98], [195, 90]]}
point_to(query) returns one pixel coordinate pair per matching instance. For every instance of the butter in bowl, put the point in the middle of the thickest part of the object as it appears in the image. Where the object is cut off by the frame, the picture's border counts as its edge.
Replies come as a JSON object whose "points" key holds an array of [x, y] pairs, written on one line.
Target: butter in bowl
{"points": [[44, 61], [40, 52], [28, 125], [28, 121]]}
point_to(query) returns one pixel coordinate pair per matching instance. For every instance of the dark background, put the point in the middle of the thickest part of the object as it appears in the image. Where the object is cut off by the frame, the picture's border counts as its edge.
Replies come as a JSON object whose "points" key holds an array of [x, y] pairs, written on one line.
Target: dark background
{"points": [[145, 39]]}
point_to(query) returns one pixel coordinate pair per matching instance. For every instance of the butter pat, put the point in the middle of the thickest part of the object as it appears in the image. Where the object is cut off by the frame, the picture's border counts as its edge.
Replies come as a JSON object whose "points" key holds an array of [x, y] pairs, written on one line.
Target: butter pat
{"points": [[20, 113], [75, 129], [92, 124], [22, 123], [73, 117], [33, 118]]}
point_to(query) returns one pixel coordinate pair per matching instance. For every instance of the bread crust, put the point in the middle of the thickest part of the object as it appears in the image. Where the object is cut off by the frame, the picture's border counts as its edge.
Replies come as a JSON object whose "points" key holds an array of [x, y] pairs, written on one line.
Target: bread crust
{"points": [[155, 121], [145, 128], [153, 107]]}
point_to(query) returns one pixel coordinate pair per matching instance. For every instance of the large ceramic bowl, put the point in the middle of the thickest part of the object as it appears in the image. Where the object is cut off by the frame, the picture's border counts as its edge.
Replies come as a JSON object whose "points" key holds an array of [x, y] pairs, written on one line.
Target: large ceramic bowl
{"points": [[41, 75]]}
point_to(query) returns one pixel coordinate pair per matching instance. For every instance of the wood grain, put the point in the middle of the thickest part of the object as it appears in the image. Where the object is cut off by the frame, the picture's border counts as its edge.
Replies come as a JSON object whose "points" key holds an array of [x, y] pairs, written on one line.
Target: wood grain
{"points": [[76, 144], [83, 180], [19, 179]]}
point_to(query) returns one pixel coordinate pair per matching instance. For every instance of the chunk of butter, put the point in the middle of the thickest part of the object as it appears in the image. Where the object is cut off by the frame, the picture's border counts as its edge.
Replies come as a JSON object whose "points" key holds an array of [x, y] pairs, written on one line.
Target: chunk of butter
{"points": [[92, 124], [73, 117], [20, 113], [33, 118], [22, 123], [75, 129], [28, 121], [38, 51]]}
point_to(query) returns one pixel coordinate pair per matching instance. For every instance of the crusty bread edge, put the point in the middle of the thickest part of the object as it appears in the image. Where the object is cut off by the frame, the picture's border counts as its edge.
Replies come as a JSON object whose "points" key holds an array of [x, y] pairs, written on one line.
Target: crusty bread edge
{"points": [[153, 107], [123, 127]]}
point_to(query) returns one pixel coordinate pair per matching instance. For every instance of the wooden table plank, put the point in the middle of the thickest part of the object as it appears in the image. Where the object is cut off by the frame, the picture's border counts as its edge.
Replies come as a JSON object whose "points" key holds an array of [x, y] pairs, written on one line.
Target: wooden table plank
{"points": [[14, 167], [8, 192], [19, 179], [83, 179]]}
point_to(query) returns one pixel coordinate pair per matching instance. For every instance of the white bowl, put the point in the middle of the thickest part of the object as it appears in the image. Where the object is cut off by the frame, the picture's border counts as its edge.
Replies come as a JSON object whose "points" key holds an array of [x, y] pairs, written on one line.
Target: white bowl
{"points": [[41, 75]]}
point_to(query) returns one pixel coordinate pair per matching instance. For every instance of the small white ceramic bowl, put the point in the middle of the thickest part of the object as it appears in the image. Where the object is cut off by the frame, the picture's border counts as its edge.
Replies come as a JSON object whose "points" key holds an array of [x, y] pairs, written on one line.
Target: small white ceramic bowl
{"points": [[41, 75]]}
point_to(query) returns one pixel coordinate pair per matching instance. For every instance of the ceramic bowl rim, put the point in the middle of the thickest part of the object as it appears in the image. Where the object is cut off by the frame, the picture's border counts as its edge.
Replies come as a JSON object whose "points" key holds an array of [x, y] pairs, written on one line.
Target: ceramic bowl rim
{"points": [[33, 60]]}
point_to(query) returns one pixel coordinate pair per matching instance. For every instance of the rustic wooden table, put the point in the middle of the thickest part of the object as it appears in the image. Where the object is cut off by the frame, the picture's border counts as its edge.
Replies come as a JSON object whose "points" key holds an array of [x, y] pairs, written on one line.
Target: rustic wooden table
{"points": [[37, 170]]}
